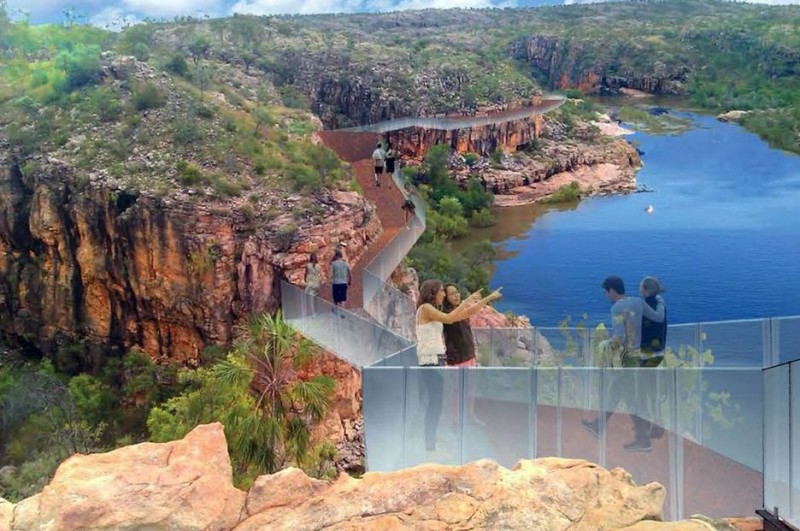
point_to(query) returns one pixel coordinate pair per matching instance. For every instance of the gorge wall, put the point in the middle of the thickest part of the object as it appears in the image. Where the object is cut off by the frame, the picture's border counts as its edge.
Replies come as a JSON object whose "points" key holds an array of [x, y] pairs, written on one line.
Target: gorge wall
{"points": [[89, 263], [572, 63]]}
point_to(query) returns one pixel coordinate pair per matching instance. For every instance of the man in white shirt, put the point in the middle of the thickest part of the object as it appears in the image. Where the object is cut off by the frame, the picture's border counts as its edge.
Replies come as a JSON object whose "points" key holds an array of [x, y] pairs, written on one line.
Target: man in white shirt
{"points": [[379, 158]]}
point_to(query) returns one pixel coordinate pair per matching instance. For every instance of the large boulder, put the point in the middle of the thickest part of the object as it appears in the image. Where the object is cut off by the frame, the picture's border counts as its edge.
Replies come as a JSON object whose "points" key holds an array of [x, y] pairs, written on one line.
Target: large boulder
{"points": [[6, 514], [185, 484], [542, 494]]}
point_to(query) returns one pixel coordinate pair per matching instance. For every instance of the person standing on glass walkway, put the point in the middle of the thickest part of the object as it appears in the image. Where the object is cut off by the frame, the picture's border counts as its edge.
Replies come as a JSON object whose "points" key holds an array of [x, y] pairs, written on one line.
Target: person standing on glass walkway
{"points": [[379, 159], [431, 347], [341, 278], [623, 349]]}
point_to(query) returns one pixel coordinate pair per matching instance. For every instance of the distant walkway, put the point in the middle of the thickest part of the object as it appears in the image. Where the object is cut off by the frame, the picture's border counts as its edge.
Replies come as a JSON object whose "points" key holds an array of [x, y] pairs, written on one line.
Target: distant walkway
{"points": [[355, 145], [456, 122]]}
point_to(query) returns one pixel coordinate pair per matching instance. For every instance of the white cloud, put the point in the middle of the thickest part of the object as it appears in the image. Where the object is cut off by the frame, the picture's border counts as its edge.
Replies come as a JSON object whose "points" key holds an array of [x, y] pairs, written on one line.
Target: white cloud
{"points": [[113, 18], [306, 7], [273, 7], [171, 8]]}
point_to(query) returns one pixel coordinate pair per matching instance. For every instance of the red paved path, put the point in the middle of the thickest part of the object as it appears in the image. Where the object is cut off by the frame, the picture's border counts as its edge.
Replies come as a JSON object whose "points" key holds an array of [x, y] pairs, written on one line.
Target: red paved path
{"points": [[357, 149]]}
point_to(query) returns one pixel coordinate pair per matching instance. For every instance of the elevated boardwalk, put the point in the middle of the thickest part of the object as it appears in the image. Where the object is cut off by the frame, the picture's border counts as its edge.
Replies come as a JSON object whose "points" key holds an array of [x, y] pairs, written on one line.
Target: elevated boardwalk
{"points": [[522, 412]]}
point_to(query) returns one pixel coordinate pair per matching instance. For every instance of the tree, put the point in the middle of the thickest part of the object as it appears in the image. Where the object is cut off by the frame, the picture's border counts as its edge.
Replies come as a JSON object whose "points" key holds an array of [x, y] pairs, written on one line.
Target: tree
{"points": [[199, 49], [255, 392], [267, 358]]}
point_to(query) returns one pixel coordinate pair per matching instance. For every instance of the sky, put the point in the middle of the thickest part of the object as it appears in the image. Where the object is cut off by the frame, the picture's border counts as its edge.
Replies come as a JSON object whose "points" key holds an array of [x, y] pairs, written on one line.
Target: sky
{"points": [[114, 13]]}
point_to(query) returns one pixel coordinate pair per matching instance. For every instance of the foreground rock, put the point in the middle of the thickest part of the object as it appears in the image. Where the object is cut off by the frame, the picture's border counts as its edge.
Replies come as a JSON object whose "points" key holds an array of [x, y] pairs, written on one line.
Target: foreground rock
{"points": [[187, 485], [182, 484]]}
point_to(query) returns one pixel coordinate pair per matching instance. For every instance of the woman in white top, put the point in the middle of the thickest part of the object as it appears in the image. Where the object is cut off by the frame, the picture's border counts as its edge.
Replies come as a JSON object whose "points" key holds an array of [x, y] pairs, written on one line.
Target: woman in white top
{"points": [[431, 347], [312, 281]]}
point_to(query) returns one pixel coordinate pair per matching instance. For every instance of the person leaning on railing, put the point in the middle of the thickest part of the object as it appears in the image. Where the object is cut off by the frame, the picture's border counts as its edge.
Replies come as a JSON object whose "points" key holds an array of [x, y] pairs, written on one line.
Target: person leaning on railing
{"points": [[431, 347]]}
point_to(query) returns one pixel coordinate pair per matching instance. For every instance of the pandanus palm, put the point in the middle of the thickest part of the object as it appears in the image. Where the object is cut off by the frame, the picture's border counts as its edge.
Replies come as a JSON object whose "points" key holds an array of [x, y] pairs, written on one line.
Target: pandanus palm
{"points": [[266, 359]]}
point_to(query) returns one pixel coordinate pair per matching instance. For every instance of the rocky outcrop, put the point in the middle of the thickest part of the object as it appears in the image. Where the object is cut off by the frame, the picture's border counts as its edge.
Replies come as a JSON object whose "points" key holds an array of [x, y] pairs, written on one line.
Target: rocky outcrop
{"points": [[507, 137], [187, 485], [732, 116], [107, 266], [184, 484], [599, 68]]}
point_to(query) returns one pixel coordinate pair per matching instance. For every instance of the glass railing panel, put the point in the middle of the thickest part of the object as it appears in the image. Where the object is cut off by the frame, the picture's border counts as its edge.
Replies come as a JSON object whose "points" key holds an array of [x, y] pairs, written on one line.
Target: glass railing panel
{"points": [[682, 341], [384, 423], [347, 335], [505, 347], [639, 411], [577, 412], [391, 308], [432, 429], [777, 445], [561, 346], [404, 358], [786, 339], [719, 421], [498, 412], [794, 436], [733, 343]]}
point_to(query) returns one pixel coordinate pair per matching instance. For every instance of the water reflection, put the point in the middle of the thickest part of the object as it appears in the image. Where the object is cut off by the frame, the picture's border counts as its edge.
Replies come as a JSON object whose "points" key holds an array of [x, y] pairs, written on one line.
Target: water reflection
{"points": [[513, 223]]}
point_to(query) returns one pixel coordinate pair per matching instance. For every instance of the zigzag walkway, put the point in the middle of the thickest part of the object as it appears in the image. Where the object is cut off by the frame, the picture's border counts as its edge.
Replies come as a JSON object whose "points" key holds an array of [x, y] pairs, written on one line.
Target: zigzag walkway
{"points": [[346, 339]]}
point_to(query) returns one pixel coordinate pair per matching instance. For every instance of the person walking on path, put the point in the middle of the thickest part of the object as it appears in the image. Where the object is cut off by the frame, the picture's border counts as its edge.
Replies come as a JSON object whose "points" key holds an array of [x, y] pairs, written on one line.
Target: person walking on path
{"points": [[312, 279], [430, 344], [391, 157], [341, 278], [378, 158], [623, 349]]}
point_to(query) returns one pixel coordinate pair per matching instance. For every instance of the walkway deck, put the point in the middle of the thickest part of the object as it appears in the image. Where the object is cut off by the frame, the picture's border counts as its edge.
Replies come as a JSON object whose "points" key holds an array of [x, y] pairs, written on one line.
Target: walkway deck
{"points": [[357, 149]]}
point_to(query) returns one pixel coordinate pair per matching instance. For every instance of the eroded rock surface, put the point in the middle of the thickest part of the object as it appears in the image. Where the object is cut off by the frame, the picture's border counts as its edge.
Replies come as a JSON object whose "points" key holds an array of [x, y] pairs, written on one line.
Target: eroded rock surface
{"points": [[187, 485]]}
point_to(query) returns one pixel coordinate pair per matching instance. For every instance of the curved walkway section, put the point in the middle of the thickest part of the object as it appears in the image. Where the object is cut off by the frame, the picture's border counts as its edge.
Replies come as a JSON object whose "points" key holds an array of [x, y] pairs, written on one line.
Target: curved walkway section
{"points": [[457, 122]]}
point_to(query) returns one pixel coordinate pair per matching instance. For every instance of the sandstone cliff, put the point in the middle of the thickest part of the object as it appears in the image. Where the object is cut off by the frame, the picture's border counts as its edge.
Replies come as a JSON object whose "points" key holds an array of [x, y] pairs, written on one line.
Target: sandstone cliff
{"points": [[117, 267], [186, 485], [572, 63]]}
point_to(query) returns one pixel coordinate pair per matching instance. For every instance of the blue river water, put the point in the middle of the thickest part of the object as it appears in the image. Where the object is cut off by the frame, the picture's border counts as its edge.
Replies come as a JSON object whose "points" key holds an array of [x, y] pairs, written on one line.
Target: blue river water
{"points": [[723, 235]]}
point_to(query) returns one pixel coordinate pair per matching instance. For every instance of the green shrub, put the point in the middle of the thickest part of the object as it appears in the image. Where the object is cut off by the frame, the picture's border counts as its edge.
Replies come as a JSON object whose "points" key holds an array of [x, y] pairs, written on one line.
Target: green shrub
{"points": [[224, 187], [482, 218], [105, 104], [260, 168], [188, 174], [284, 237], [186, 131], [81, 66], [204, 111], [450, 206], [177, 65], [148, 96], [567, 193], [470, 159]]}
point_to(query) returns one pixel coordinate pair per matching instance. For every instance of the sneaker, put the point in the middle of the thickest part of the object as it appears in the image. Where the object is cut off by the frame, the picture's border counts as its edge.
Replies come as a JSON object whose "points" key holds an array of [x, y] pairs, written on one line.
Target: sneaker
{"points": [[638, 446], [592, 427]]}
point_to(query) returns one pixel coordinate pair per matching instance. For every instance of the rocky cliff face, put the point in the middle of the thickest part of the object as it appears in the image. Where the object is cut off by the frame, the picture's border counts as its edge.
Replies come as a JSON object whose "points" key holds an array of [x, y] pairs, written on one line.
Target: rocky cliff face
{"points": [[570, 63], [187, 485], [90, 262], [483, 140]]}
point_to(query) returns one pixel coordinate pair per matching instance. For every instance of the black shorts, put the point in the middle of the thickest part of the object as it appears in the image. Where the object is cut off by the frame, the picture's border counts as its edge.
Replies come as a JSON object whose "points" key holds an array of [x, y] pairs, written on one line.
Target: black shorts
{"points": [[409, 205], [339, 292], [389, 165], [378, 170]]}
